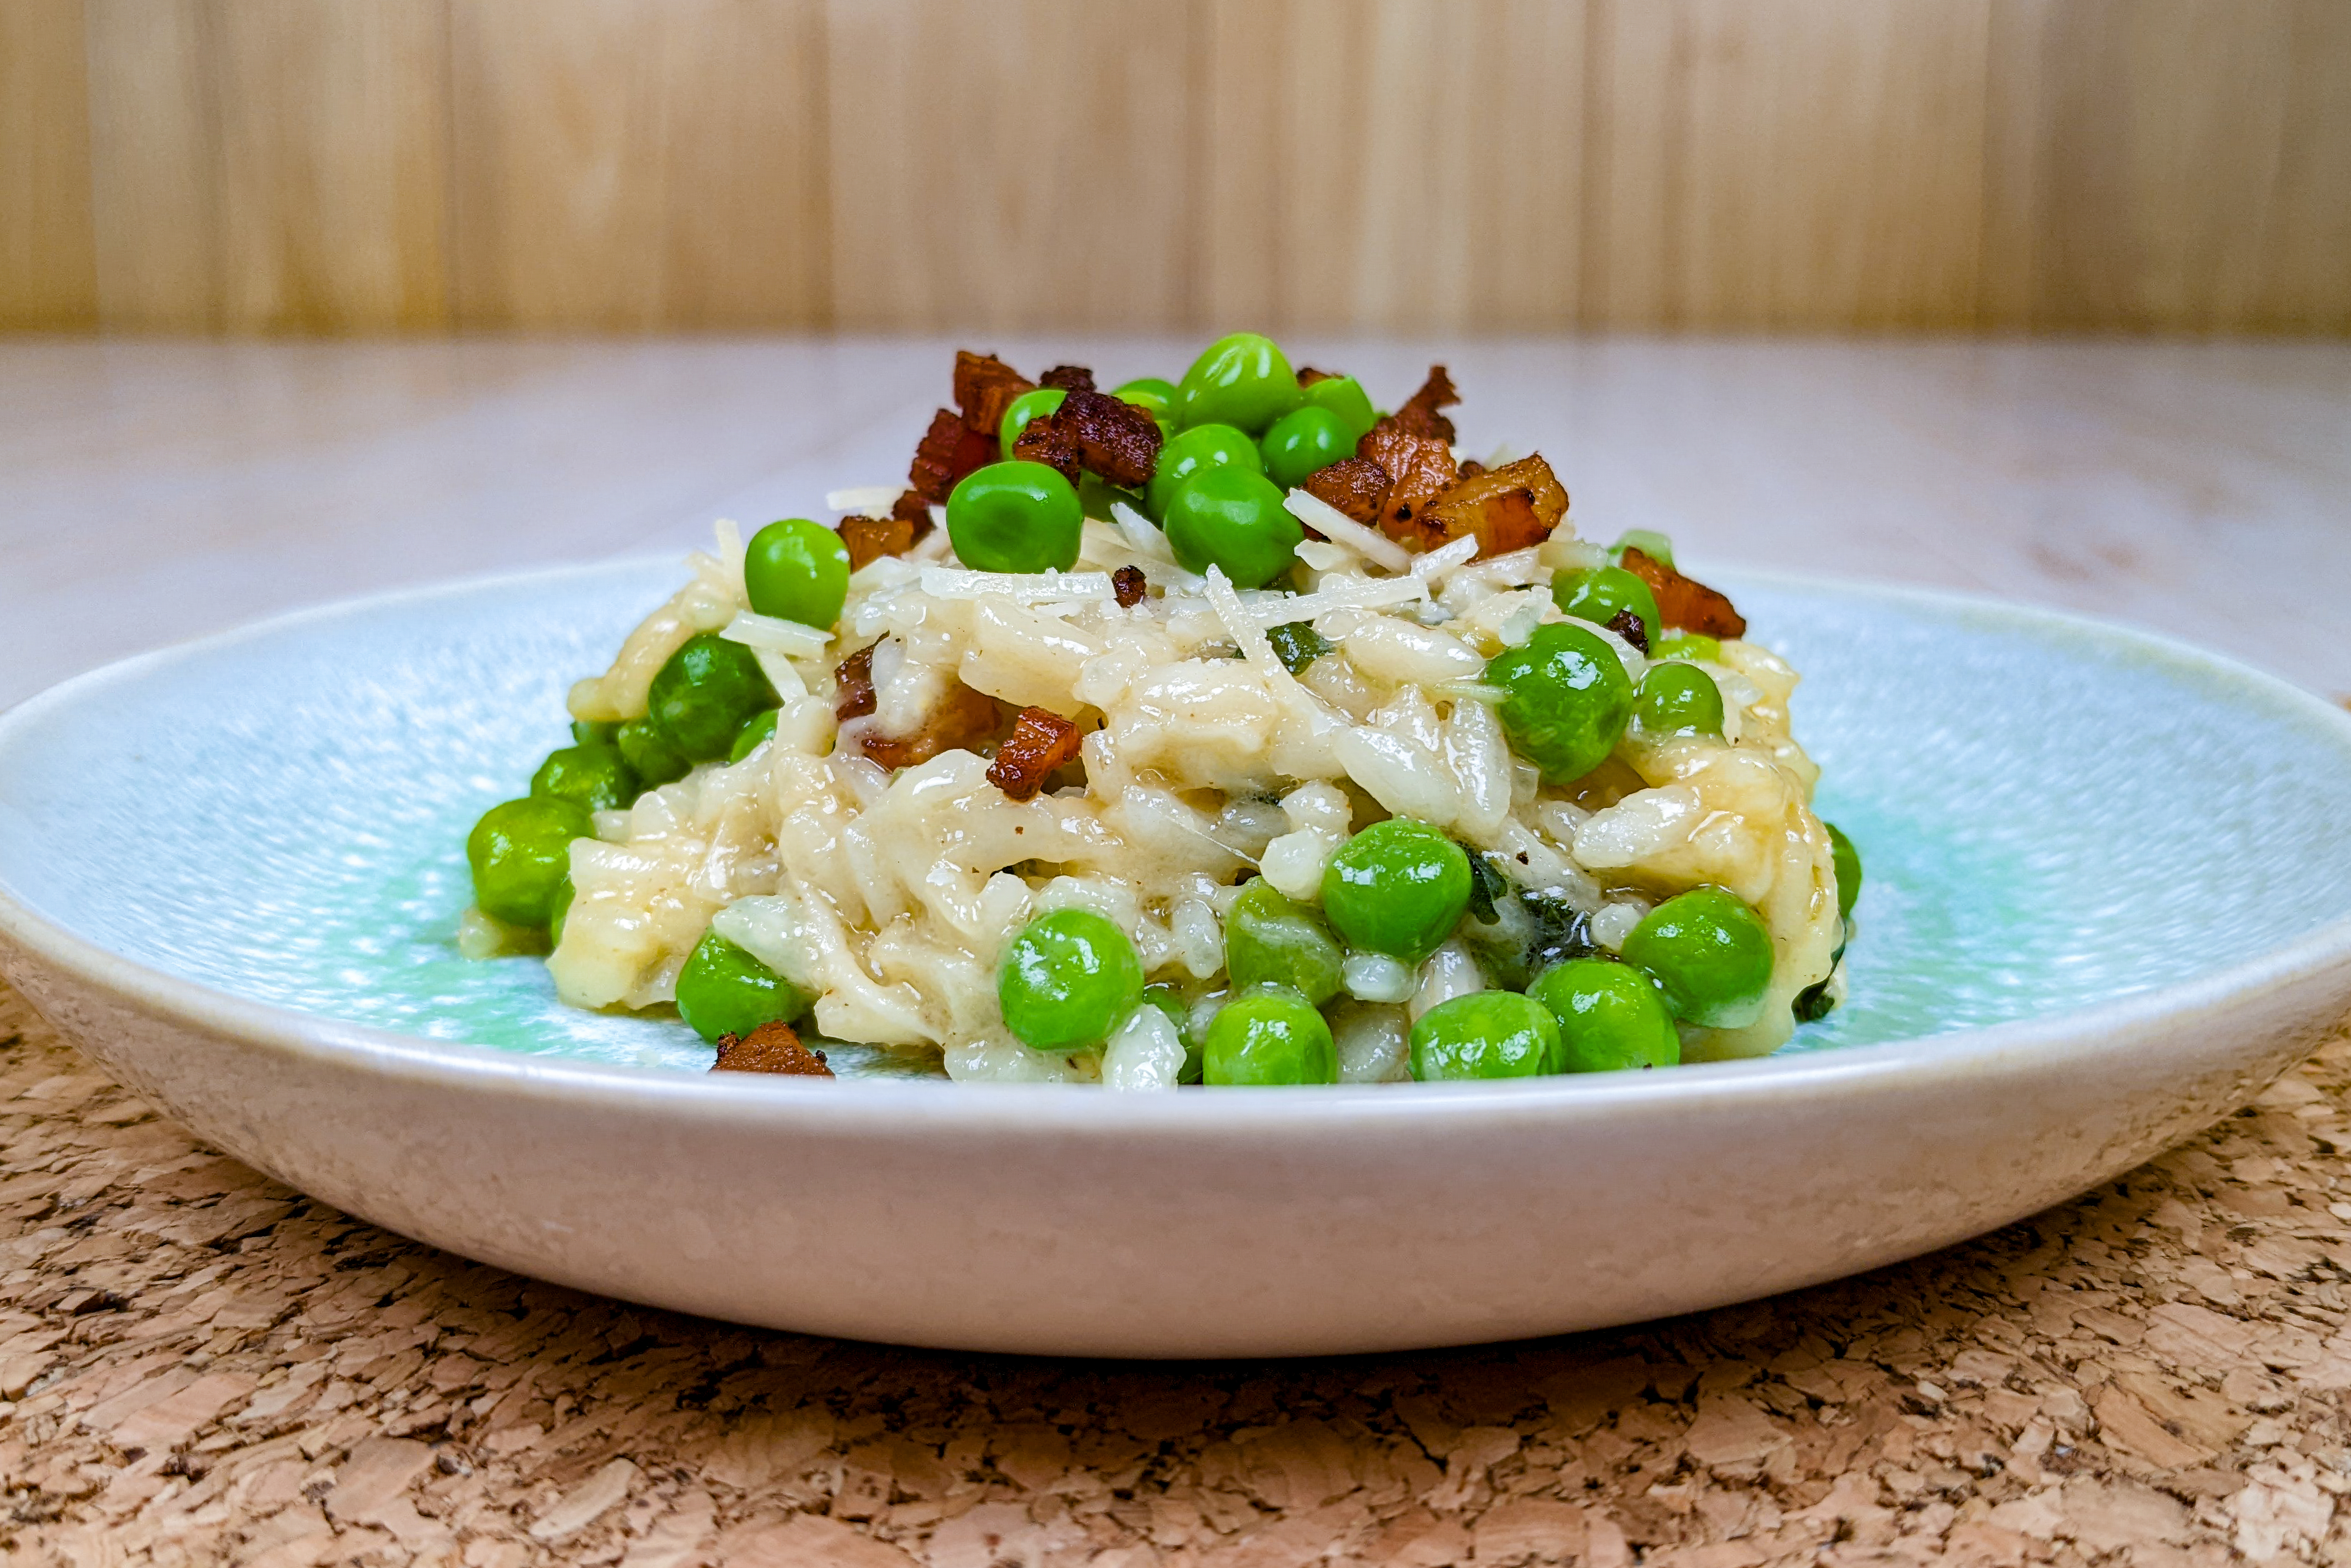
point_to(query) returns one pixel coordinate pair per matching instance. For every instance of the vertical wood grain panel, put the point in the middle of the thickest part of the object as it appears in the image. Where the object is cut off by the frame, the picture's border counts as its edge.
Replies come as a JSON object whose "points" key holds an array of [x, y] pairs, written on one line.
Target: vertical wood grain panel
{"points": [[334, 162], [49, 271], [2304, 262], [1420, 165], [747, 240], [2190, 165], [1010, 165], [1802, 164], [627, 166], [155, 176], [1416, 164], [555, 111], [2016, 61]]}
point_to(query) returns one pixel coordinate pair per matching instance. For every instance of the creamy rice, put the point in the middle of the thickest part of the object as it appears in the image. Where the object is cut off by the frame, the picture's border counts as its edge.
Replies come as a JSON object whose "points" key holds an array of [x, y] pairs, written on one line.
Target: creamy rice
{"points": [[889, 897]]}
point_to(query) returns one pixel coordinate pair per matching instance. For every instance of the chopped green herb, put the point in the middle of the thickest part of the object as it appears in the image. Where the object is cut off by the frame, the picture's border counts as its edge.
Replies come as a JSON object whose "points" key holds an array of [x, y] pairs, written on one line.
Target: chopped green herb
{"points": [[1297, 645], [1486, 885]]}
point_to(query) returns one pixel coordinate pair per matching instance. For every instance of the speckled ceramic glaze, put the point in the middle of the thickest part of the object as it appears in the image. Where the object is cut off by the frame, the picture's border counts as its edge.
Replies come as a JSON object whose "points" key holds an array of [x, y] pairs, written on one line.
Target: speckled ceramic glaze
{"points": [[2109, 897]]}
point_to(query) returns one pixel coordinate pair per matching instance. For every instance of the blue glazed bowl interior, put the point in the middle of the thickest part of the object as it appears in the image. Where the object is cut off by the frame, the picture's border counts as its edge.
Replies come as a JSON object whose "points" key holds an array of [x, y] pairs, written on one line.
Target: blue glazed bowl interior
{"points": [[2053, 815]]}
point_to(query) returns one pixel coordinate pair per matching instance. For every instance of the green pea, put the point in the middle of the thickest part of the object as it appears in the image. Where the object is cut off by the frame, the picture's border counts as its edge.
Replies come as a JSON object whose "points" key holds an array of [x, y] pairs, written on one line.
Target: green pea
{"points": [[1096, 495], [596, 777], [1302, 441], [1028, 405], [1152, 395], [1690, 645], [521, 852], [1677, 699], [1848, 869], [1597, 595], [1344, 396], [1067, 980], [594, 731], [1398, 887], [723, 989], [1242, 381], [560, 908], [1649, 541], [1568, 699], [1486, 1034], [797, 570], [1297, 645], [1268, 1035], [1610, 1016], [1710, 954], [705, 690], [649, 753], [1202, 446], [1269, 939], [756, 729], [1232, 518], [1015, 516]]}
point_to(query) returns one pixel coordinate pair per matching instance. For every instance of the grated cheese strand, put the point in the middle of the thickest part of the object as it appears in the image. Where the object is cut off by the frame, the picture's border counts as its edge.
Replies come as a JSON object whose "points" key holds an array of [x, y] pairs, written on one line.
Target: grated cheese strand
{"points": [[1336, 526], [868, 500]]}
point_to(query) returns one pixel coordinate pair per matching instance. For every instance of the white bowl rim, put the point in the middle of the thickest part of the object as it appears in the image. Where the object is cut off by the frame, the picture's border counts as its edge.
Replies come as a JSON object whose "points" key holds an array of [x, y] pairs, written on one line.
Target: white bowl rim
{"points": [[737, 1099]]}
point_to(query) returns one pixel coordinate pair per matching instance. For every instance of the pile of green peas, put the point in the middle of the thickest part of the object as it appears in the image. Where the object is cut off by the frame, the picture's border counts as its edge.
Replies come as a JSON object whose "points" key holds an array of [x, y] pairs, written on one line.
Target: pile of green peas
{"points": [[1239, 432], [709, 701], [1400, 889], [1568, 700]]}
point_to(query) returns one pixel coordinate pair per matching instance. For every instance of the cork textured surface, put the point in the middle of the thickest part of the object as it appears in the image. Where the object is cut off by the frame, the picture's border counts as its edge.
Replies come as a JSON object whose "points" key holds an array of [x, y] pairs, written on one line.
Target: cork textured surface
{"points": [[199, 1367]]}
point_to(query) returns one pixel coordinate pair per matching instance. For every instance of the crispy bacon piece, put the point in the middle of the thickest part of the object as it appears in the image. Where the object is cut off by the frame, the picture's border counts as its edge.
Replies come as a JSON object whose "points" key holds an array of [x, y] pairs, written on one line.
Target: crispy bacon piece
{"points": [[1421, 468], [984, 387], [950, 450], [1353, 485], [772, 1047], [1069, 377], [1627, 623], [871, 539], [962, 719], [1685, 603], [1115, 439], [1101, 434], [852, 681], [1053, 444], [1308, 375], [1129, 585], [1042, 741], [1472, 468], [1419, 413], [1510, 507]]}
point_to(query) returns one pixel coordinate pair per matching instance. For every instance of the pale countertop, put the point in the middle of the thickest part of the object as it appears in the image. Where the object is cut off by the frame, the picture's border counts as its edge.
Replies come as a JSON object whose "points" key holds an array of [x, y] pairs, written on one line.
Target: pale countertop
{"points": [[155, 490]]}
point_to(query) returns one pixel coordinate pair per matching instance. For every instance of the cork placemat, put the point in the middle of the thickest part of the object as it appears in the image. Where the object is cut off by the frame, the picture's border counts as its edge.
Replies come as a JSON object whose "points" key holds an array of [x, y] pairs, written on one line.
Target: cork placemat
{"points": [[200, 1366]]}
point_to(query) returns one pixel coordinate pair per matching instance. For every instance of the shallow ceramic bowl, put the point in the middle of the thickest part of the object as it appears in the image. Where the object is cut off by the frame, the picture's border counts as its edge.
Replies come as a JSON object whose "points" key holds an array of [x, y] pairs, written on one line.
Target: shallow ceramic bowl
{"points": [[2109, 898]]}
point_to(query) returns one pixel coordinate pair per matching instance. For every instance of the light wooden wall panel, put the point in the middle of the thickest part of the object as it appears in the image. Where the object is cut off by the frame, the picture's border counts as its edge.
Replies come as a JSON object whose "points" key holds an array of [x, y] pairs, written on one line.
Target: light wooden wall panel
{"points": [[1010, 165], [48, 268], [2177, 164], [1445, 165], [622, 165], [155, 176], [1413, 164], [748, 235], [334, 160], [1805, 163]]}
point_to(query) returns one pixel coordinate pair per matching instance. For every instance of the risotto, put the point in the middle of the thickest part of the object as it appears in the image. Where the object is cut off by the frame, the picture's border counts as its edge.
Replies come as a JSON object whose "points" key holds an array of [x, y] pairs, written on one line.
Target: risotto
{"points": [[1226, 731]]}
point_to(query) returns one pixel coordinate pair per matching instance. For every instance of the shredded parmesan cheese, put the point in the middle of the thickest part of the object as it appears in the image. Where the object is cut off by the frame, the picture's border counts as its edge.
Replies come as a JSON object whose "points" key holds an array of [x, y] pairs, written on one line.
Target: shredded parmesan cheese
{"points": [[1335, 525], [865, 500]]}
